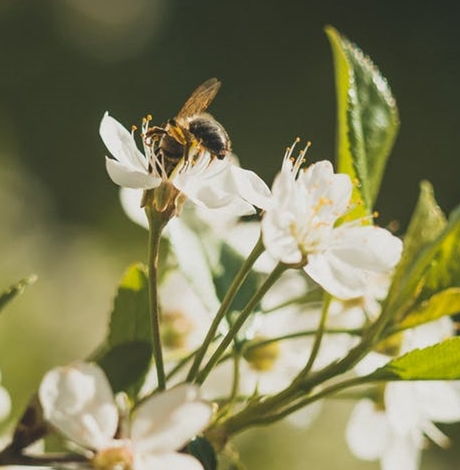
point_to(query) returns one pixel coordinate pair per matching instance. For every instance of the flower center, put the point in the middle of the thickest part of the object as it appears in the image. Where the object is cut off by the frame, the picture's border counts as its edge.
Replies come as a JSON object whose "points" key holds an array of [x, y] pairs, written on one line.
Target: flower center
{"points": [[114, 458], [175, 329], [262, 358]]}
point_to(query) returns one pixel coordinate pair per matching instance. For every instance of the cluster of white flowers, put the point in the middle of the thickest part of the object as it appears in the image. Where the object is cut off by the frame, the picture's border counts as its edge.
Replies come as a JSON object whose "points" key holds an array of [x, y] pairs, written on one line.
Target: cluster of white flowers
{"points": [[301, 226]]}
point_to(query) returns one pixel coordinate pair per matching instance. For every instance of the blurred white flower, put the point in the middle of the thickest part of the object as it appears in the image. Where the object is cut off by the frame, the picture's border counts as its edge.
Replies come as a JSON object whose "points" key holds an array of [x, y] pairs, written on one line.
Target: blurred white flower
{"points": [[5, 403], [270, 367], [206, 181], [79, 402], [395, 430], [299, 227], [353, 313], [184, 324], [184, 318]]}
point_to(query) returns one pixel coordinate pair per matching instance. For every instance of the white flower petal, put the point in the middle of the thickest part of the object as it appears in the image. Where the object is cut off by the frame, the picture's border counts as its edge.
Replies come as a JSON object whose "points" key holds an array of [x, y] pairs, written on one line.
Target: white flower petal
{"points": [[277, 238], [367, 431], [336, 277], [209, 184], [370, 363], [131, 203], [79, 402], [5, 403], [169, 461], [121, 144], [370, 248], [324, 185], [402, 454], [438, 400], [167, 421], [124, 175], [403, 409], [345, 268], [251, 187]]}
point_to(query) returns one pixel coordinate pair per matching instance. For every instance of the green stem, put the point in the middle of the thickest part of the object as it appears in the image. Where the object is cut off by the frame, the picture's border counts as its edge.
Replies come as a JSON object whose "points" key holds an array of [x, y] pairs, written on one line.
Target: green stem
{"points": [[9, 457], [243, 316], [242, 419], [300, 334], [224, 307], [319, 336], [306, 401], [156, 225]]}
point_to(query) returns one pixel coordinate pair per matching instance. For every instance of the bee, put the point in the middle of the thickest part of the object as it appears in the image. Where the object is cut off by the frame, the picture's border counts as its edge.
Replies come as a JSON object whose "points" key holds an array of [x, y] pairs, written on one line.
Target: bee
{"points": [[192, 126]]}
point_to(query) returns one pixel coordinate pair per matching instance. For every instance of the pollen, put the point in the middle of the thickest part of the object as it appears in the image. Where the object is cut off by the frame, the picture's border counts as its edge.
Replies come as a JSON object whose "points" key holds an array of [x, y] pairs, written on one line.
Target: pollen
{"points": [[262, 358], [133, 128], [322, 202], [149, 117], [375, 214]]}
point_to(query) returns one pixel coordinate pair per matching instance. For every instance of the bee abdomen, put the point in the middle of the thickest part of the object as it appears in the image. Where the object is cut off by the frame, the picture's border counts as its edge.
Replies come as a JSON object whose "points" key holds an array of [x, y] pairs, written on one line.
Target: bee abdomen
{"points": [[211, 134]]}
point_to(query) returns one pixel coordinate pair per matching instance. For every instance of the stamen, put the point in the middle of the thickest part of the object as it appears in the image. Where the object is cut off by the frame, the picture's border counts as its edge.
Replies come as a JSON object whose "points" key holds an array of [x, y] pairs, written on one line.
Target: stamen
{"points": [[436, 435]]}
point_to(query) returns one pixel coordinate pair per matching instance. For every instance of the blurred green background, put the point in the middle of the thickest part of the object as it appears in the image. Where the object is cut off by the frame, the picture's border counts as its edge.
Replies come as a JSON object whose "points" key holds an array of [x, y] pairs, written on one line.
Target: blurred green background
{"points": [[65, 62]]}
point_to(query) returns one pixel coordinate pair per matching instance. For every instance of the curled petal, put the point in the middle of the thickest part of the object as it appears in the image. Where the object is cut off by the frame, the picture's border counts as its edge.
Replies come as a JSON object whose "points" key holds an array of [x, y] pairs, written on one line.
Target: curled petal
{"points": [[121, 144], [251, 187], [78, 401], [124, 175], [167, 421]]}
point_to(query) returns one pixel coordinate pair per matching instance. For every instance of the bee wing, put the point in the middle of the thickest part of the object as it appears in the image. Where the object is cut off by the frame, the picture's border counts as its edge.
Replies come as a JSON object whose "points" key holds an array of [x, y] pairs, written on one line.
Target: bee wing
{"points": [[200, 99]]}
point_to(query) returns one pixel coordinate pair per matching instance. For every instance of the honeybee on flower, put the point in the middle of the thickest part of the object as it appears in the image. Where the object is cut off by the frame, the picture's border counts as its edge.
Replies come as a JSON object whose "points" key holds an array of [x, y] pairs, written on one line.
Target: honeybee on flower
{"points": [[188, 157]]}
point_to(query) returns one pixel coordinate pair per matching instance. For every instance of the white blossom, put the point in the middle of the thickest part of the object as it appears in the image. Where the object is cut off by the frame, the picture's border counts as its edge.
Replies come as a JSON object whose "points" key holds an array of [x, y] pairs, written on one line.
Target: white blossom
{"points": [[299, 226], [78, 401], [206, 181], [395, 430]]}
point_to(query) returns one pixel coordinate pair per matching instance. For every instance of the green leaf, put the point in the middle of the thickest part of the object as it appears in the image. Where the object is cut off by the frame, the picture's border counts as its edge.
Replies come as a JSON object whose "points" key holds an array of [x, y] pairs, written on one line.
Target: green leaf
{"points": [[438, 362], [193, 261], [16, 289], [230, 262], [204, 452], [444, 267], [435, 268], [446, 302], [426, 224], [130, 319], [126, 365], [367, 119], [126, 354]]}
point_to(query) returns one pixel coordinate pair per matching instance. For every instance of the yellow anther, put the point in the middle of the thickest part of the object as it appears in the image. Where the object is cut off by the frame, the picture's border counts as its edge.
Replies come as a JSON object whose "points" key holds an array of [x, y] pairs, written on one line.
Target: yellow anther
{"points": [[262, 358], [133, 128], [323, 201], [375, 214], [149, 117]]}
